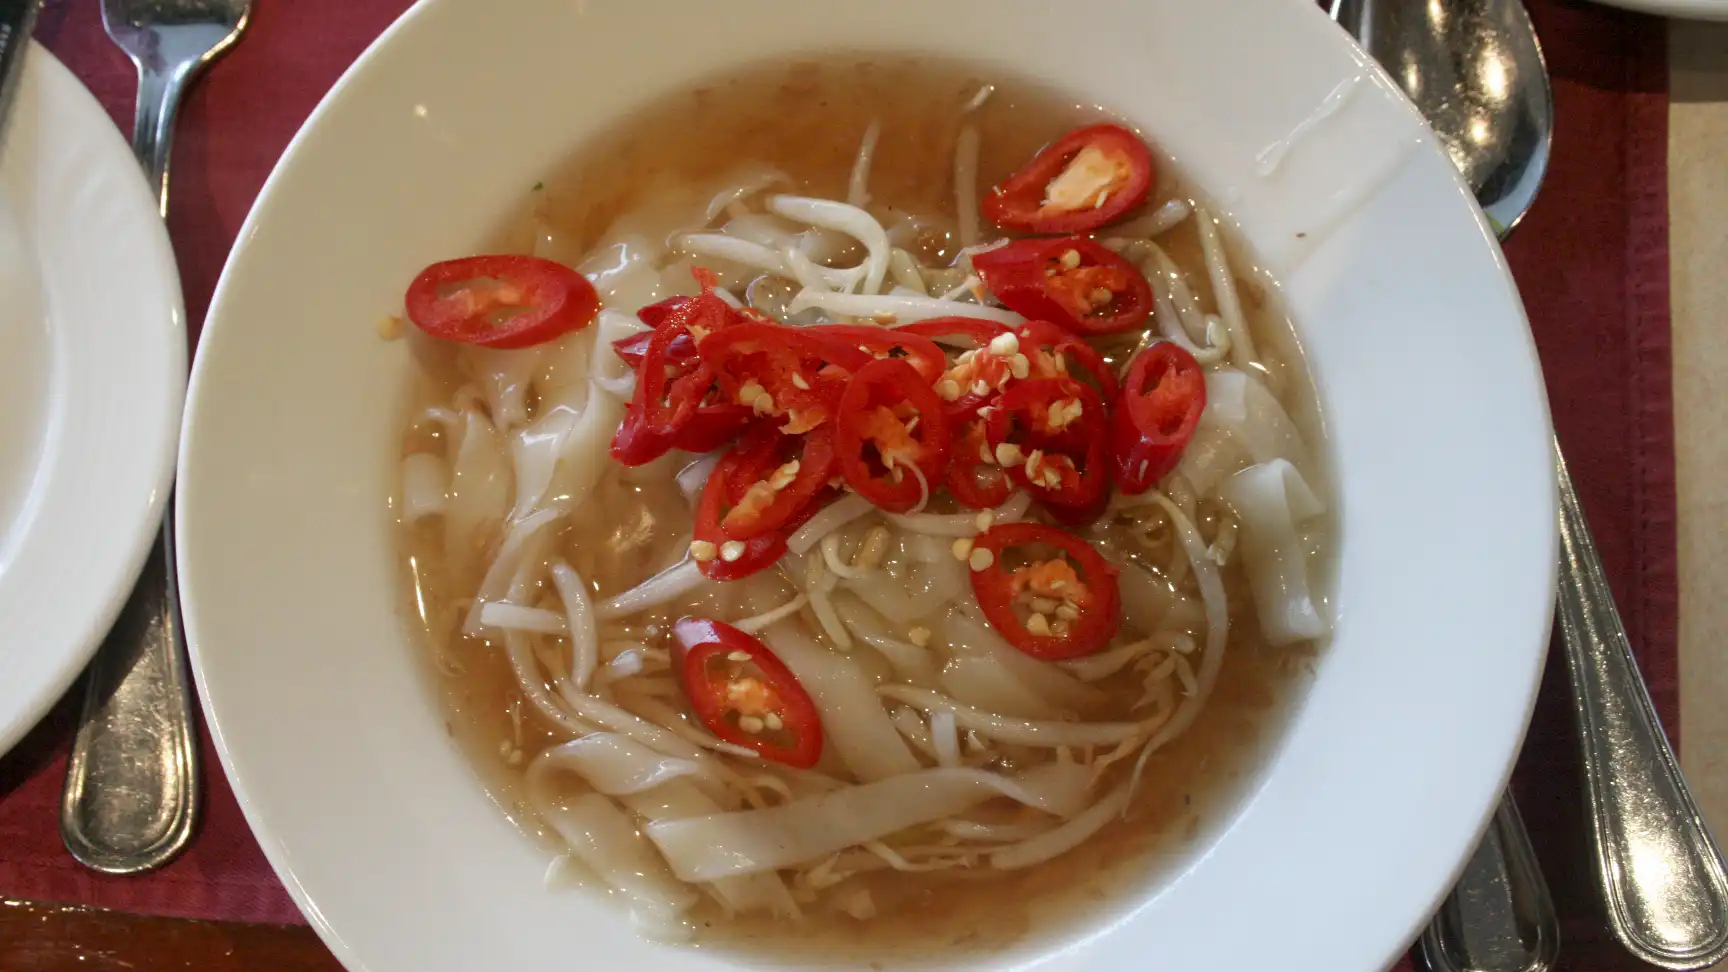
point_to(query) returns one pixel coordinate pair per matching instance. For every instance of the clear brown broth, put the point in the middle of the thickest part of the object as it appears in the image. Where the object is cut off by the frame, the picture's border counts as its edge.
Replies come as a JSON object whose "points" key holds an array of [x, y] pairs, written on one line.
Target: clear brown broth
{"points": [[805, 118]]}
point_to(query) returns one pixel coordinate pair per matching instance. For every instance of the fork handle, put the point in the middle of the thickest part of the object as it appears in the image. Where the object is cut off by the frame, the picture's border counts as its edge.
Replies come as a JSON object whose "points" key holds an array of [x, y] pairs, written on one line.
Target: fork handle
{"points": [[1663, 876], [159, 94]]}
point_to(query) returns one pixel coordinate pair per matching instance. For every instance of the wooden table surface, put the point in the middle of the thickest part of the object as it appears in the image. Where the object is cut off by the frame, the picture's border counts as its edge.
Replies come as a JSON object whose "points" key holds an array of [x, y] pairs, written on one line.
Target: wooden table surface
{"points": [[44, 938]]}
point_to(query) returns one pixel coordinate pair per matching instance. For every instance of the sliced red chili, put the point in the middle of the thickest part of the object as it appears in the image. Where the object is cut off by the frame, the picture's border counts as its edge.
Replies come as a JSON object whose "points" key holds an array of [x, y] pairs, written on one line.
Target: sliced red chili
{"points": [[1083, 180], [676, 404], [633, 348], [500, 301], [782, 371], [655, 315], [1054, 352], [1060, 603], [973, 477], [892, 437], [720, 557], [979, 372], [946, 329], [1072, 281], [781, 474], [881, 342], [1049, 433], [745, 694], [1160, 407]]}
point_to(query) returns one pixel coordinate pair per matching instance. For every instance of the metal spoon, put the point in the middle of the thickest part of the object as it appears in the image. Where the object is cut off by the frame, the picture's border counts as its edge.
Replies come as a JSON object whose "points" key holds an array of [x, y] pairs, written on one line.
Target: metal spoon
{"points": [[131, 797], [1475, 69]]}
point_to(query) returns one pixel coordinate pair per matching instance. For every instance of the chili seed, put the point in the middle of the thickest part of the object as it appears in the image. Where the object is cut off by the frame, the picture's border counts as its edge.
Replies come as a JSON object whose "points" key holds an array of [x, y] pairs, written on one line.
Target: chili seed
{"points": [[750, 724], [702, 550], [962, 548], [1039, 625], [772, 721], [981, 559], [731, 550]]}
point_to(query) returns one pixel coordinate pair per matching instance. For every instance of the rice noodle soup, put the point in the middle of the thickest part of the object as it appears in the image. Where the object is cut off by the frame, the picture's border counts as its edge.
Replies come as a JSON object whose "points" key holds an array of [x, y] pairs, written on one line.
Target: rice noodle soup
{"points": [[861, 496]]}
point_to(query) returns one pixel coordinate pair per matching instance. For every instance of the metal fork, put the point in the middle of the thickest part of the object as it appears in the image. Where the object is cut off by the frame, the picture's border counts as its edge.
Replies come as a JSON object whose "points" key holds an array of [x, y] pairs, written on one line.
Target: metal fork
{"points": [[131, 797]]}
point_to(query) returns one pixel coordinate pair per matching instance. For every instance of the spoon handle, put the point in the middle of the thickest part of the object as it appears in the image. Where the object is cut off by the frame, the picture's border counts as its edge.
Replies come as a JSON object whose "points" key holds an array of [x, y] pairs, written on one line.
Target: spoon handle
{"points": [[1663, 877], [131, 797], [1499, 917]]}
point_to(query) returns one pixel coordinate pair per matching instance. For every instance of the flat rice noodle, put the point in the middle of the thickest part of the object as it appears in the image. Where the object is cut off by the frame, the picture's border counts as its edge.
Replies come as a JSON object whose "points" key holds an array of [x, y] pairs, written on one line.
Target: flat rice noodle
{"points": [[712, 774], [1056, 689], [855, 726], [564, 377], [1242, 405], [830, 518], [1213, 455], [1062, 839], [901, 309], [615, 765], [663, 588], [608, 370], [753, 841], [1151, 604], [479, 486], [624, 274], [535, 451], [425, 486], [764, 229], [1043, 733], [600, 836], [981, 683], [507, 563], [827, 246], [945, 738], [504, 377], [995, 833], [912, 664], [928, 589], [1273, 500], [907, 275], [585, 454], [676, 799], [959, 525]]}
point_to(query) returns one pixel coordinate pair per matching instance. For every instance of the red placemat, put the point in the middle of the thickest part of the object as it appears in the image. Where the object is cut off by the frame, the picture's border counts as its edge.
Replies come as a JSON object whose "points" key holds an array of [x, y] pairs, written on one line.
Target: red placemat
{"points": [[1591, 259]]}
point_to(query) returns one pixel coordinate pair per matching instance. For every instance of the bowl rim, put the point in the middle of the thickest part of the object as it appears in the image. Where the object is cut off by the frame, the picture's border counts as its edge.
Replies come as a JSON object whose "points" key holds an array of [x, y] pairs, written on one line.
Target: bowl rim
{"points": [[1423, 164]]}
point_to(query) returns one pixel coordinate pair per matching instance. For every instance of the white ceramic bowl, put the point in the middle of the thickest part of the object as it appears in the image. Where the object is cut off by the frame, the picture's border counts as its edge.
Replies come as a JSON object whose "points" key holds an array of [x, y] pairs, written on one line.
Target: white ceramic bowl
{"points": [[1429, 384]]}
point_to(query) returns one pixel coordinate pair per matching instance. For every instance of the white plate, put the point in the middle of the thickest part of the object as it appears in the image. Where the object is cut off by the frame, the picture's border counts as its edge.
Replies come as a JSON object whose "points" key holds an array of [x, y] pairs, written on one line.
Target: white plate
{"points": [[91, 383], [1430, 385], [1683, 9]]}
